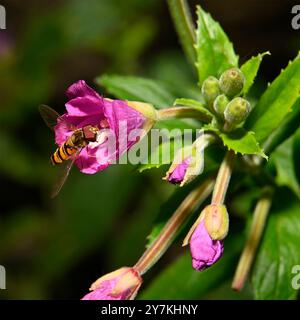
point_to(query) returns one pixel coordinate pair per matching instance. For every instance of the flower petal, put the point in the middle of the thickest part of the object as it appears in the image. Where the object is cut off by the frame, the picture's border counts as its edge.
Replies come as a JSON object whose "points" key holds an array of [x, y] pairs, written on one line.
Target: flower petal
{"points": [[89, 160], [81, 89], [63, 129], [84, 106], [122, 120]]}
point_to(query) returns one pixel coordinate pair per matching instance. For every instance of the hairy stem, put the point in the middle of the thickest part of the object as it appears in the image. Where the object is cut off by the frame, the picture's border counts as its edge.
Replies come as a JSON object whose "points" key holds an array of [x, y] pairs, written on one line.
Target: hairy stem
{"points": [[184, 26], [258, 224], [223, 179], [172, 227]]}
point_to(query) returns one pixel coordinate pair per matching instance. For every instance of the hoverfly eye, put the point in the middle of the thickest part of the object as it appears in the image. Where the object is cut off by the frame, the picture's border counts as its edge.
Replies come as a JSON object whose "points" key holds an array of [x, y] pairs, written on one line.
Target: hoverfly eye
{"points": [[90, 133]]}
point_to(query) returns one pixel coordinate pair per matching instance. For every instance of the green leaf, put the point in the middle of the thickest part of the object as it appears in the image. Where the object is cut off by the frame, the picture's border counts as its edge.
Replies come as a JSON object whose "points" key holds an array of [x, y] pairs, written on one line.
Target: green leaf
{"points": [[184, 26], [284, 163], [240, 141], [243, 142], [296, 153], [215, 52], [138, 89], [186, 283], [276, 102], [250, 69], [200, 106], [279, 252], [288, 127]]}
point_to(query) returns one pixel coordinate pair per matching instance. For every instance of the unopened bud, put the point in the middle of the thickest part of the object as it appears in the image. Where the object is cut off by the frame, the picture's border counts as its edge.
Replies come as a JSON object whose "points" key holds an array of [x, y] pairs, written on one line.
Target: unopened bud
{"points": [[188, 169], [210, 90], [188, 162], [232, 82], [220, 104], [205, 250], [121, 284], [216, 221], [237, 110]]}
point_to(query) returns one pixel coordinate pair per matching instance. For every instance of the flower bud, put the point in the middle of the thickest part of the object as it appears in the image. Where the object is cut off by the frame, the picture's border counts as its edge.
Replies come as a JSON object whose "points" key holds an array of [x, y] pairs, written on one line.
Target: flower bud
{"points": [[220, 104], [204, 250], [210, 90], [121, 284], [184, 171], [188, 162], [216, 221], [232, 82], [177, 172], [237, 111]]}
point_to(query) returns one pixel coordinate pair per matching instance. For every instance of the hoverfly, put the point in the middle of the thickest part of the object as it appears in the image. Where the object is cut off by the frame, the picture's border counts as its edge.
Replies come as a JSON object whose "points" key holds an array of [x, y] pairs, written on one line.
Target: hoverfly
{"points": [[67, 153]]}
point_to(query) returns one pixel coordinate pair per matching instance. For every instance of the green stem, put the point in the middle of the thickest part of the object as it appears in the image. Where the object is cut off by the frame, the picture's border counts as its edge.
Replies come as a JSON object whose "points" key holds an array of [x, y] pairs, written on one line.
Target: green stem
{"points": [[223, 179], [172, 227], [184, 26], [258, 224], [228, 126], [182, 112]]}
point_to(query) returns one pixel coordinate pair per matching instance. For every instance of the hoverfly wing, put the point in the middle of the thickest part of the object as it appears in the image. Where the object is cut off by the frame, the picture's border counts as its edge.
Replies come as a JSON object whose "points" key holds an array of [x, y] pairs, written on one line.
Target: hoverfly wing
{"points": [[49, 115], [65, 169]]}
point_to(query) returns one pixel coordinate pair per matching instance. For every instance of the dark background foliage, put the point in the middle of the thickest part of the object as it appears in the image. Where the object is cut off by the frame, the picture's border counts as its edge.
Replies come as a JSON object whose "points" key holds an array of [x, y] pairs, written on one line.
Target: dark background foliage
{"points": [[56, 248]]}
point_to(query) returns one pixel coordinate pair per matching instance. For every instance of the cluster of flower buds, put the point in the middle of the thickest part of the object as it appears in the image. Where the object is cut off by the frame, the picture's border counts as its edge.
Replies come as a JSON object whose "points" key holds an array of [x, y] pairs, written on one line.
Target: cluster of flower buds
{"points": [[222, 97]]}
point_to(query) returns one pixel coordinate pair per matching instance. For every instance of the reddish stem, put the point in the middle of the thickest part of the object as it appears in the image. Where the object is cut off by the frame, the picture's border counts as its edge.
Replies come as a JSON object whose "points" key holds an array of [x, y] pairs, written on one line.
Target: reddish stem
{"points": [[159, 246]]}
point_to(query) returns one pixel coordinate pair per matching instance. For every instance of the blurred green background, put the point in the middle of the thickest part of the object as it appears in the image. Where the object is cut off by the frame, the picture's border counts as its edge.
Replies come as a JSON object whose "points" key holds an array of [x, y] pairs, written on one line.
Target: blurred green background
{"points": [[54, 249]]}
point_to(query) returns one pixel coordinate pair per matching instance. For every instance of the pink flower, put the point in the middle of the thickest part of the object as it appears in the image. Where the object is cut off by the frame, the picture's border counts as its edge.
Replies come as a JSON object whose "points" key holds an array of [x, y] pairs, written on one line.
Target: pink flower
{"points": [[116, 117], [204, 250], [121, 284]]}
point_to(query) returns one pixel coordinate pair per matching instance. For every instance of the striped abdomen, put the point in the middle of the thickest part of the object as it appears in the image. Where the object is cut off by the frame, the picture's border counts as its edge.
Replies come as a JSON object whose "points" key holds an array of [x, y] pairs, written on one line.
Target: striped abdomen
{"points": [[64, 152], [79, 139]]}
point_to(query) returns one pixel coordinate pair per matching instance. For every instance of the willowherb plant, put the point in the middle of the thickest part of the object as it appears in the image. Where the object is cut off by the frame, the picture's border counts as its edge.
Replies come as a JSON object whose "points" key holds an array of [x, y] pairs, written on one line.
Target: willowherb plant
{"points": [[248, 133]]}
